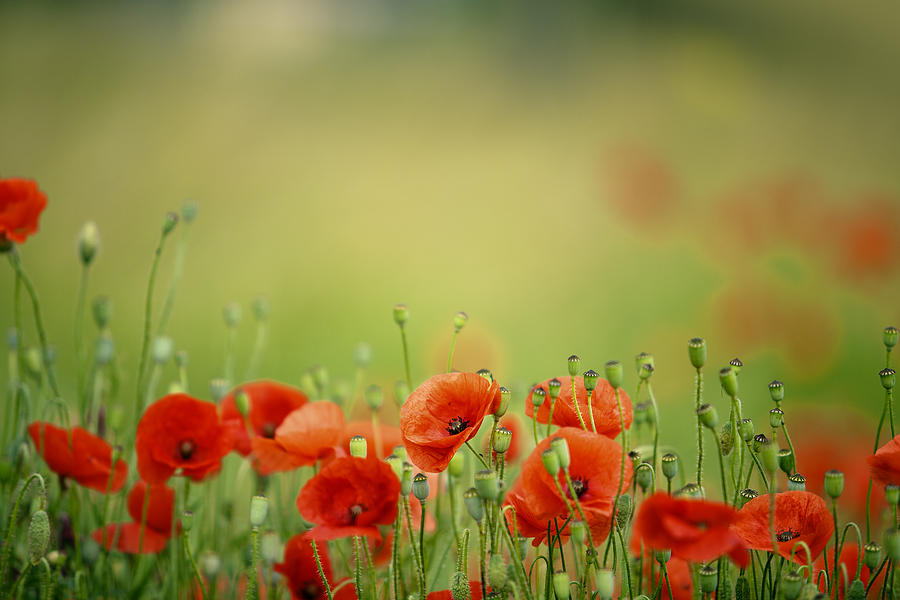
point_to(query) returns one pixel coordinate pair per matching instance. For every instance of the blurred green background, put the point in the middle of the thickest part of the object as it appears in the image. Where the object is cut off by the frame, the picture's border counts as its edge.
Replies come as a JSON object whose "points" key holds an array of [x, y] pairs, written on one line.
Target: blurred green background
{"points": [[601, 179]]}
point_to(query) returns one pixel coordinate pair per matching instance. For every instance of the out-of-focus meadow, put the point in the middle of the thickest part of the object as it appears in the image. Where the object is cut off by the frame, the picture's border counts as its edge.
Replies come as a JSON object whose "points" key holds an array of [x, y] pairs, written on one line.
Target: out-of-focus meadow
{"points": [[599, 180]]}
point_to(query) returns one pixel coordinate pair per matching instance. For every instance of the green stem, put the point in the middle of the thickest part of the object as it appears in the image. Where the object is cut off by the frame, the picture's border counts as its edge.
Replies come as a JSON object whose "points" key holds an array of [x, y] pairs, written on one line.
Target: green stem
{"points": [[625, 567], [577, 408], [621, 476], [699, 429], [422, 505], [357, 567], [148, 310], [252, 580], [177, 270], [322, 571], [652, 397], [256, 354], [452, 348], [196, 572], [405, 357], [79, 342], [419, 569], [836, 547]]}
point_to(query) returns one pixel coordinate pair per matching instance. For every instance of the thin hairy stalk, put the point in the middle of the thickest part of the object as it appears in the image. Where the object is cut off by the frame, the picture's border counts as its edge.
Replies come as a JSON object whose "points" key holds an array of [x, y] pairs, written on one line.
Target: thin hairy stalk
{"points": [[148, 311], [328, 591], [699, 398]]}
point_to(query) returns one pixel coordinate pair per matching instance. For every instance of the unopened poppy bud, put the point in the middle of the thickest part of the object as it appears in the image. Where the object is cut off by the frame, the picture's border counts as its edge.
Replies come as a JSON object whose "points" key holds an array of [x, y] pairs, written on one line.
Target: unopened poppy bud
{"points": [[401, 314], [502, 440], [551, 461], [459, 320], [374, 397], [708, 416], [590, 380], [796, 483], [503, 406], [457, 465], [101, 309], [872, 555], [242, 402], [259, 508], [606, 583], [643, 477], [486, 373], [459, 586], [210, 563], [746, 429], [786, 460], [406, 479], [697, 352], [396, 465], [560, 446], [776, 418], [487, 485], [758, 441], [641, 413], [497, 573], [728, 379], [553, 387], [561, 585], [646, 372], [776, 390], [614, 373], [400, 450], [891, 543], [358, 446], [642, 359], [38, 536], [834, 483], [662, 556], [578, 530], [187, 520], [708, 578], [169, 223], [791, 585], [623, 510], [742, 588], [768, 454], [669, 466], [890, 336], [162, 349], [892, 494], [635, 457], [420, 487], [574, 363], [726, 439], [232, 314], [104, 350], [747, 494], [12, 338], [33, 362], [218, 388], [270, 547], [689, 490], [538, 395], [736, 365], [888, 378], [473, 504], [857, 590], [88, 242], [362, 355]]}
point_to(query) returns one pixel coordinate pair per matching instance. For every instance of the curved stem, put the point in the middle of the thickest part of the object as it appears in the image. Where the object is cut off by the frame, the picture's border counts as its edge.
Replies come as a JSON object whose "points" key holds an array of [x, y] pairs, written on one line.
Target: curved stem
{"points": [[148, 310], [577, 408]]}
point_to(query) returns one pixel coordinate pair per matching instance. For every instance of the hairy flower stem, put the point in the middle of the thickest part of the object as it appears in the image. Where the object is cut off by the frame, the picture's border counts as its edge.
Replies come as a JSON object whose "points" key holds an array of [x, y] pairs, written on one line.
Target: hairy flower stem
{"points": [[577, 408], [259, 343], [884, 410], [252, 579], [420, 570], [395, 557], [357, 567], [328, 591], [148, 310], [699, 397], [6, 551], [521, 575], [190, 556], [621, 475]]}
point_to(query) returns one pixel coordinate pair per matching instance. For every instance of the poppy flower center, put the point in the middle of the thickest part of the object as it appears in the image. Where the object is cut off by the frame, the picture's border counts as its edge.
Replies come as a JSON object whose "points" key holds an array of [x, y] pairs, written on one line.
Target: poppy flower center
{"points": [[580, 486], [310, 591], [186, 449], [457, 425], [355, 511], [787, 535], [268, 430]]}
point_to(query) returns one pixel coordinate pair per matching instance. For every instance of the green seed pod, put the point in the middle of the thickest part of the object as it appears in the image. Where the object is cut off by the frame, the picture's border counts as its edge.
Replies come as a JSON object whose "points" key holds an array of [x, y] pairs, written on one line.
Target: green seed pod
{"points": [[420, 487], [745, 428], [459, 320], [892, 494], [401, 314], [560, 446], [538, 395], [643, 477], [486, 373], [459, 586], [834, 483], [742, 588], [503, 406], [261, 308], [374, 397], [791, 585], [747, 495], [497, 572], [759, 440], [811, 592], [776, 418], [726, 439], [708, 578], [697, 352], [161, 351], [872, 555], [88, 242], [487, 484], [401, 392], [857, 590], [736, 364], [708, 416], [406, 479], [362, 355], [623, 510], [232, 314], [786, 460], [218, 388], [320, 377], [38, 536], [574, 363], [169, 223], [242, 402], [561, 585], [33, 363], [270, 547], [400, 450], [669, 466], [641, 413], [590, 380], [768, 454], [888, 378], [551, 461], [473, 504], [646, 372], [776, 391], [259, 508], [396, 464], [553, 387], [606, 583], [728, 379], [502, 440], [725, 590], [614, 373], [358, 446], [891, 543], [578, 530], [662, 556], [890, 336], [457, 465], [644, 358], [187, 520], [689, 490], [102, 310], [181, 359], [796, 483]]}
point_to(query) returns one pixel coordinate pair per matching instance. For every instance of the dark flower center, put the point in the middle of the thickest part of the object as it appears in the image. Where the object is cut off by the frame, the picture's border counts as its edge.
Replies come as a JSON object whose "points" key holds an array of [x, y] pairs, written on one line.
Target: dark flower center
{"points": [[457, 425], [186, 449], [310, 591], [268, 430], [355, 511], [580, 486], [787, 535]]}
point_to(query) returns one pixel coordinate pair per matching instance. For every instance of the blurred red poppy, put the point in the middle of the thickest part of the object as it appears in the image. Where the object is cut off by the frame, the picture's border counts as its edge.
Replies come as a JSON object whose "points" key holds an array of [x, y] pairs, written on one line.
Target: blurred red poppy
{"points": [[799, 517], [307, 434], [269, 403], [127, 536], [444, 413], [88, 460], [694, 530], [884, 465], [350, 496], [474, 592], [21, 203], [603, 405], [302, 575], [679, 575], [388, 435], [181, 432]]}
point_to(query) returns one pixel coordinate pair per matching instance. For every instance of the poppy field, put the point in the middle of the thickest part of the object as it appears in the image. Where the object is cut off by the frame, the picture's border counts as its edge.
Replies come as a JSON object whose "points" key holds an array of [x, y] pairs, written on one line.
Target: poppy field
{"points": [[133, 480]]}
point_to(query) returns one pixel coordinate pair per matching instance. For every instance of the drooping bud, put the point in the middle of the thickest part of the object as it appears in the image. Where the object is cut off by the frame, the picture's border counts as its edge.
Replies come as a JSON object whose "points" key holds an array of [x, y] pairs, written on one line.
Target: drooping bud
{"points": [[736, 365], [473, 504], [503, 406], [561, 585], [834, 483], [742, 588], [374, 397], [786, 460], [728, 379], [553, 388], [791, 584], [590, 380], [890, 336], [102, 310], [888, 378], [776, 390], [768, 454], [551, 461], [396, 465], [459, 320], [218, 388], [708, 578], [574, 363], [406, 479], [606, 583], [669, 466], [401, 314], [891, 543], [726, 439], [420, 487], [857, 590], [487, 485], [459, 586], [872, 555], [88, 242], [758, 441], [560, 446], [892, 494], [776, 418], [745, 427], [502, 440], [538, 395], [162, 349], [708, 416], [747, 495], [697, 352], [796, 483], [358, 446], [169, 223], [497, 572], [232, 313], [38, 536], [187, 520], [457, 465], [362, 355], [259, 508], [614, 373]]}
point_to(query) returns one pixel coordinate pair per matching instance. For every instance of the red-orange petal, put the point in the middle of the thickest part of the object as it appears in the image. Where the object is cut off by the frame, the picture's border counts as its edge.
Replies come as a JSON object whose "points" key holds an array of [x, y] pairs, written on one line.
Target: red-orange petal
{"points": [[799, 516], [127, 538]]}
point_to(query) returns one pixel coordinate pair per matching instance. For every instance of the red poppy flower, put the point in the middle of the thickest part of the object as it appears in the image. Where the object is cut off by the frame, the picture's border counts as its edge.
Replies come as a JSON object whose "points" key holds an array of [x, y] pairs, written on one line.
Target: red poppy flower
{"points": [[88, 460], [849, 558], [350, 496], [270, 402], [389, 437], [307, 434], [21, 203], [885, 463], [444, 413], [603, 405], [158, 528], [799, 517], [594, 469], [302, 575], [181, 432], [679, 573], [694, 530], [512, 423], [474, 592]]}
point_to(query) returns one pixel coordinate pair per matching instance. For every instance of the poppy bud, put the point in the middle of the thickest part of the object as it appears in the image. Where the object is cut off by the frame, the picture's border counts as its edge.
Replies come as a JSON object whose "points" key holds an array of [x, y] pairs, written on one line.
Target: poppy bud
{"points": [[537, 396], [362, 355], [503, 406], [406, 479], [708, 578], [551, 461], [643, 477], [401, 314], [497, 574], [487, 485], [561, 585], [101, 309], [210, 563], [553, 387], [689, 490], [457, 465], [242, 402], [473, 504], [641, 413], [502, 440], [891, 542], [768, 454], [459, 586], [890, 336], [646, 372], [33, 362], [606, 583], [38, 536], [857, 590], [747, 495], [614, 373], [662, 556], [697, 352], [758, 441], [578, 532], [189, 211], [776, 390], [742, 588], [791, 585], [218, 388], [796, 483], [737, 365], [358, 446], [400, 450], [88, 241], [776, 418], [459, 320], [270, 547], [104, 350], [374, 397], [561, 447], [642, 359], [708, 416], [420, 487], [635, 457], [396, 464], [486, 373], [623, 510], [728, 379], [162, 350], [574, 362], [726, 439], [187, 520], [590, 380], [232, 314], [259, 508], [872, 555], [169, 223], [181, 359], [670, 466], [834, 483], [786, 460], [892, 494], [888, 378]]}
